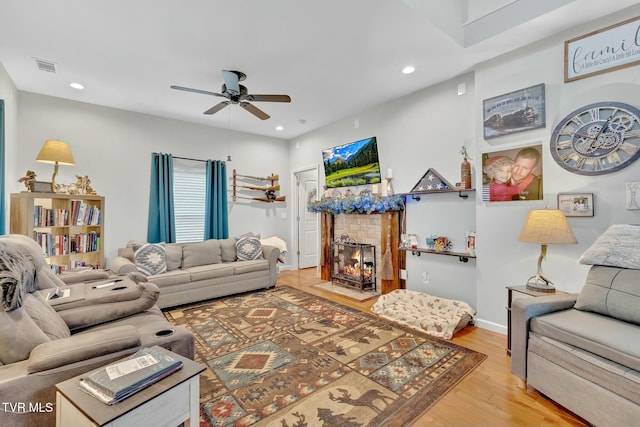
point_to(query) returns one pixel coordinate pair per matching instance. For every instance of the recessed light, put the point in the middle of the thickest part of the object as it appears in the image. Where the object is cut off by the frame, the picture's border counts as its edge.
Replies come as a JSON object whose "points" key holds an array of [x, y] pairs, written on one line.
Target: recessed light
{"points": [[77, 86], [408, 69], [279, 128]]}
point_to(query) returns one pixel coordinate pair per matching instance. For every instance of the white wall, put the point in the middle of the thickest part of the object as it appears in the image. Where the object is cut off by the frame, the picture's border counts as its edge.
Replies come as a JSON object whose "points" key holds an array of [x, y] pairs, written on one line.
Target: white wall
{"points": [[502, 260], [9, 94], [426, 129], [421, 131], [114, 148]]}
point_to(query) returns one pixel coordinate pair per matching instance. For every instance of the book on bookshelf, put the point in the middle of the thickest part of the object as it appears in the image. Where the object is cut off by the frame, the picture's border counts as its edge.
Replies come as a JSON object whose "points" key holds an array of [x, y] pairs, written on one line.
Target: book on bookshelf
{"points": [[116, 382]]}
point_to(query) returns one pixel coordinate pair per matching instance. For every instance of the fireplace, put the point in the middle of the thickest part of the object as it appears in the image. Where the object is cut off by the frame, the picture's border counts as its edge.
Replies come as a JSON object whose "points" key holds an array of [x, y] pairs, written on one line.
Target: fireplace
{"points": [[353, 264], [382, 231]]}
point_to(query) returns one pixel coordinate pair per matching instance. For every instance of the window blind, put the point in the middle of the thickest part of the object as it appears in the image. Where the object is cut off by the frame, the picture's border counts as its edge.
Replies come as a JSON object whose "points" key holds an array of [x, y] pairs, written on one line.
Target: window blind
{"points": [[189, 194]]}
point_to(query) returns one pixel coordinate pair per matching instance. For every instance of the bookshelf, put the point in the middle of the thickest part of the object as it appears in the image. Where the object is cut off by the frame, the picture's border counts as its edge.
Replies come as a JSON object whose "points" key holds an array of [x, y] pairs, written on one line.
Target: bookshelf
{"points": [[68, 227]]}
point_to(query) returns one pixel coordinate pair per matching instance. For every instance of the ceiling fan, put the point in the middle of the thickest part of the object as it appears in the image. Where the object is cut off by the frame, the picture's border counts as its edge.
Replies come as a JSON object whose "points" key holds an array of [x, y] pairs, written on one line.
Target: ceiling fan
{"points": [[237, 94]]}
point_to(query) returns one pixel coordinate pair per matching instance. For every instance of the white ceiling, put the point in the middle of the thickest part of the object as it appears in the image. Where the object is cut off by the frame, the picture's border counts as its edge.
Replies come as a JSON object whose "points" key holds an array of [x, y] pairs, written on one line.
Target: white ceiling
{"points": [[333, 57]]}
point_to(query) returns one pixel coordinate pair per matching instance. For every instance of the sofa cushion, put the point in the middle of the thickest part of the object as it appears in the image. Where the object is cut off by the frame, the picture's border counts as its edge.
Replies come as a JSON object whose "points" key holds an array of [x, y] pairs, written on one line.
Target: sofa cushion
{"points": [[170, 278], [591, 367], [241, 267], [211, 271], [151, 258], [201, 253], [229, 251], [605, 336], [616, 247], [174, 256], [611, 291], [249, 248]]}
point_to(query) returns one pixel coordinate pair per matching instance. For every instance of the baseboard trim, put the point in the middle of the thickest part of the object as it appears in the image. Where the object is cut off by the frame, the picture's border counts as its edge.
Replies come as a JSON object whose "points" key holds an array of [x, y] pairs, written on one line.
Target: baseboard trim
{"points": [[491, 326]]}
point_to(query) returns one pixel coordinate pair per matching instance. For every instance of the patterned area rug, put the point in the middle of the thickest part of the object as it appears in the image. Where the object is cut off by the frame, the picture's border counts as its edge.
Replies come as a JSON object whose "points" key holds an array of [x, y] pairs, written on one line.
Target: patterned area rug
{"points": [[285, 358]]}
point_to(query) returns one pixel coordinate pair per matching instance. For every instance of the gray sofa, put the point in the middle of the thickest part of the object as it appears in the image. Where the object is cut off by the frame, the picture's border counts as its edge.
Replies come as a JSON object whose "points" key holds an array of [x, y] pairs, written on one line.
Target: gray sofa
{"points": [[45, 340], [203, 270], [583, 350]]}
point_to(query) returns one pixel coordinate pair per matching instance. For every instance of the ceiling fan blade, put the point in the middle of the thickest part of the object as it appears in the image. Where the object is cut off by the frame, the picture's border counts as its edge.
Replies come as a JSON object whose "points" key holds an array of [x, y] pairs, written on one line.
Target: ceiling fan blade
{"points": [[217, 107], [254, 110], [204, 92], [232, 80], [269, 98]]}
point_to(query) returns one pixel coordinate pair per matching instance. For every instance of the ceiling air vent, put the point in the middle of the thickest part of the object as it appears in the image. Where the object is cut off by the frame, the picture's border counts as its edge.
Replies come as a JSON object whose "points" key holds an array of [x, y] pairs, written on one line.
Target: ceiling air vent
{"points": [[48, 66]]}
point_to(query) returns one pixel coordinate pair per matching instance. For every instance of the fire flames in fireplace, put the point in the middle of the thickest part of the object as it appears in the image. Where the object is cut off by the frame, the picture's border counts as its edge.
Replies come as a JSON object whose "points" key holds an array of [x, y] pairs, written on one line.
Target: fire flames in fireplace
{"points": [[354, 265]]}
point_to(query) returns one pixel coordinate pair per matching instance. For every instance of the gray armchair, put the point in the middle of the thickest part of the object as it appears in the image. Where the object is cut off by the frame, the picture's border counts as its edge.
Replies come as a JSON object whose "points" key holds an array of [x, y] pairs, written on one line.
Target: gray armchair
{"points": [[45, 340]]}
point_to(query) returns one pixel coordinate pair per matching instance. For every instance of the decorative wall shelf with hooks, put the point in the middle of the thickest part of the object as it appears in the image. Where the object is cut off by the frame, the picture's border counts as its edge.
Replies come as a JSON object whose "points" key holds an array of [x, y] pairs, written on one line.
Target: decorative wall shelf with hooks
{"points": [[434, 183], [462, 256], [462, 193], [248, 183]]}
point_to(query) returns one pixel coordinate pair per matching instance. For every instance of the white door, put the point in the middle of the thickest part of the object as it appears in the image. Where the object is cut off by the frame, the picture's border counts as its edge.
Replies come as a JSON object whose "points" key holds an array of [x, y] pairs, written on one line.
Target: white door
{"points": [[307, 184]]}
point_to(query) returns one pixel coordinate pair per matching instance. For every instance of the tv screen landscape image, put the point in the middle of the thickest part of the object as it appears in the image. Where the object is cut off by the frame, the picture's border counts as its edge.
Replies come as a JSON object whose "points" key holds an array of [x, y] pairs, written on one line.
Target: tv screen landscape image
{"points": [[352, 164]]}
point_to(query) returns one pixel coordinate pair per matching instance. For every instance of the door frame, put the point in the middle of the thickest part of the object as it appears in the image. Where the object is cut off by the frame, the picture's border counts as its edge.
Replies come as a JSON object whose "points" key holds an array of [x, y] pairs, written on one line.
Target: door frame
{"points": [[294, 213]]}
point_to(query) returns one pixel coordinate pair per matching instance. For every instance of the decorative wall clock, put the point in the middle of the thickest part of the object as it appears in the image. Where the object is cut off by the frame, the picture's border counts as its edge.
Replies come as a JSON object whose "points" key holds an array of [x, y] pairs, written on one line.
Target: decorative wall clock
{"points": [[597, 139]]}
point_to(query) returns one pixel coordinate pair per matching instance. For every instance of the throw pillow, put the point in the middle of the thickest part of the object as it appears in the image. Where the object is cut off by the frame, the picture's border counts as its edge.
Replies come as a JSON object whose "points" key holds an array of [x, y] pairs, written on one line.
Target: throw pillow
{"points": [[201, 253], [249, 248], [151, 258], [616, 247], [229, 251]]}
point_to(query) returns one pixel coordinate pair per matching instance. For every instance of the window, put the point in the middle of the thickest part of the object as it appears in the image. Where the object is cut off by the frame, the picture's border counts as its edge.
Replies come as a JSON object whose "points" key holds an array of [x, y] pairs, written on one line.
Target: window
{"points": [[189, 195]]}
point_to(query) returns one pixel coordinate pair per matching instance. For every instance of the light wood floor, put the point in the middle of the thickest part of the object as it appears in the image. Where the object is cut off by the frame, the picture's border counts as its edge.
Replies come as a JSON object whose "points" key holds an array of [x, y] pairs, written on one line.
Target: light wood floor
{"points": [[488, 396]]}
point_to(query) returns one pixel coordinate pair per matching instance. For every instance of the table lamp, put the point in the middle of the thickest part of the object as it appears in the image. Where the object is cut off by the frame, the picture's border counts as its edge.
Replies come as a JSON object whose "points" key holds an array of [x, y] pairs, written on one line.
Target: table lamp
{"points": [[57, 153], [545, 226]]}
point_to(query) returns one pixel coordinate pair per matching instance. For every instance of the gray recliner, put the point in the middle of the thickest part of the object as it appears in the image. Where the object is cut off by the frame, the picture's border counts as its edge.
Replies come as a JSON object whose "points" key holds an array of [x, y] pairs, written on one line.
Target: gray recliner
{"points": [[51, 330]]}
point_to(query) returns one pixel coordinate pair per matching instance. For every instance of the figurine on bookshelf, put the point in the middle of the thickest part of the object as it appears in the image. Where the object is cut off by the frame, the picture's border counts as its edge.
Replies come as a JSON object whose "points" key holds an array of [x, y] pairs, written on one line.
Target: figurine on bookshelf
{"points": [[83, 184], [28, 178]]}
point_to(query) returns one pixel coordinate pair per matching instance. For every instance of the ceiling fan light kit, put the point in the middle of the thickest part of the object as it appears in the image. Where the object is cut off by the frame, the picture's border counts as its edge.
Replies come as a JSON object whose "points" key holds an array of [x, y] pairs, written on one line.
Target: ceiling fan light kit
{"points": [[237, 94]]}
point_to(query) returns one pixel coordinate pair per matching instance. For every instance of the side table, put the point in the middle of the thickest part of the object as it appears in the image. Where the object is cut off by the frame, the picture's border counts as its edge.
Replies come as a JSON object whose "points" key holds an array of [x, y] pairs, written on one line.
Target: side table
{"points": [[169, 402], [522, 292]]}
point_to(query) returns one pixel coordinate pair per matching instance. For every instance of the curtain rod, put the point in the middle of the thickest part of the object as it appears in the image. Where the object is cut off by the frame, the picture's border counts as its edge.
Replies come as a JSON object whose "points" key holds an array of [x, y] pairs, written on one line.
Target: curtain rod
{"points": [[187, 158]]}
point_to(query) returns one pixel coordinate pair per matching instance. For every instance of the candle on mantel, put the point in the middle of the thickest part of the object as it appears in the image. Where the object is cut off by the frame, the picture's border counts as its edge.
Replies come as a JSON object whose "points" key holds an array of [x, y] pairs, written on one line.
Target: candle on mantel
{"points": [[389, 173], [384, 188], [374, 189]]}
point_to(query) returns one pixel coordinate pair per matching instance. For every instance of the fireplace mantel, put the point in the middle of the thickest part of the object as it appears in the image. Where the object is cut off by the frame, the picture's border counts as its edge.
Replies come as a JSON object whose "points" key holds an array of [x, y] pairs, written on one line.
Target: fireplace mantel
{"points": [[364, 203], [388, 232]]}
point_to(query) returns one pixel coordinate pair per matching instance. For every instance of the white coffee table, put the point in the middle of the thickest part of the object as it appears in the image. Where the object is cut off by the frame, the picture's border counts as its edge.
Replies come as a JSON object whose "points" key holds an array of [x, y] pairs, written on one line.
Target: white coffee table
{"points": [[169, 402]]}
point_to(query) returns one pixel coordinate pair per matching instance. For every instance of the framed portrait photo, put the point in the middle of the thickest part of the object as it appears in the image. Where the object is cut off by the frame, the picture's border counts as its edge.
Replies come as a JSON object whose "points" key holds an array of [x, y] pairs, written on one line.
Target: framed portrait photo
{"points": [[514, 174], [576, 204], [513, 112]]}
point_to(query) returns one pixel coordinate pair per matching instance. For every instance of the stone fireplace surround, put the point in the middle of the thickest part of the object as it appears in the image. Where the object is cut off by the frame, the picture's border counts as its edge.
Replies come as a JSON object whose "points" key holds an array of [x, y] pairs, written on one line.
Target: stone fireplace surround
{"points": [[374, 229]]}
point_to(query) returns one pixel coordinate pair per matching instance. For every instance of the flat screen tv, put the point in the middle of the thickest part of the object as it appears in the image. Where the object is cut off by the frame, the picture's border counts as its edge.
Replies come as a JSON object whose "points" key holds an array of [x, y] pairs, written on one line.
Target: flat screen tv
{"points": [[352, 164]]}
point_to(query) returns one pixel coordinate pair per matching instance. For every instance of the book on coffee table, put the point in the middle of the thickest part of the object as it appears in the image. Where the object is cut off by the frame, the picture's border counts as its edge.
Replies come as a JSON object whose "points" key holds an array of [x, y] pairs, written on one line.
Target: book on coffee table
{"points": [[117, 381]]}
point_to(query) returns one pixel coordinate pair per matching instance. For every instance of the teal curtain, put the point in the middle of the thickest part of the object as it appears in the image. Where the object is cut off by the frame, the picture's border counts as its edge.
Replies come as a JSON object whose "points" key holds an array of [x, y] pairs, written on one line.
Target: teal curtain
{"points": [[162, 226], [216, 218], [3, 170]]}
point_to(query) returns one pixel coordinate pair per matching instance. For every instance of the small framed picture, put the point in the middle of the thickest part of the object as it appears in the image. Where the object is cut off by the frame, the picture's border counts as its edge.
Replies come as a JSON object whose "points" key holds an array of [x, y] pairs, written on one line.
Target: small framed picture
{"points": [[576, 204], [513, 112], [631, 189], [409, 241], [41, 187], [471, 243]]}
